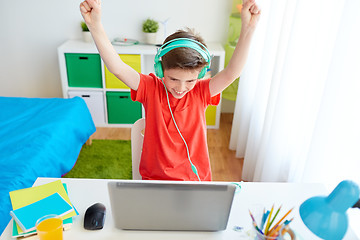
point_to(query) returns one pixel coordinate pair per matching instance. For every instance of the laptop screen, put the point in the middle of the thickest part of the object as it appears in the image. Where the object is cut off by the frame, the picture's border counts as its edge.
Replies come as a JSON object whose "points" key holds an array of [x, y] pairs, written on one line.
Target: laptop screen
{"points": [[170, 205]]}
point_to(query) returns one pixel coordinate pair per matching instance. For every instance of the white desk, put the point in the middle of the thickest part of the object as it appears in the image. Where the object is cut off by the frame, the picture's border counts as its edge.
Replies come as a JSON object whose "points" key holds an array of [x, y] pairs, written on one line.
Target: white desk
{"points": [[85, 192]]}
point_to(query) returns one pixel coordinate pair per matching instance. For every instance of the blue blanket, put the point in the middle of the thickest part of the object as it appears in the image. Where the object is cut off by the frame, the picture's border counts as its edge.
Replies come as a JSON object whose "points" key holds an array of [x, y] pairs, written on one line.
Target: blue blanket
{"points": [[39, 137]]}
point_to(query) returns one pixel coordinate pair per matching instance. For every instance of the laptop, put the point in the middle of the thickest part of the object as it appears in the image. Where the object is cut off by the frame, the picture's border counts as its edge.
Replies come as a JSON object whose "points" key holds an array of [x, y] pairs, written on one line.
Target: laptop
{"points": [[170, 205]]}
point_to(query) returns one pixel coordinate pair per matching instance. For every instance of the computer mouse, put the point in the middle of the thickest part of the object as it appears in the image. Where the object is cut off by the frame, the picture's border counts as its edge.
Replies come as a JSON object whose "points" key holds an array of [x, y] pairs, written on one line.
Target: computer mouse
{"points": [[94, 218]]}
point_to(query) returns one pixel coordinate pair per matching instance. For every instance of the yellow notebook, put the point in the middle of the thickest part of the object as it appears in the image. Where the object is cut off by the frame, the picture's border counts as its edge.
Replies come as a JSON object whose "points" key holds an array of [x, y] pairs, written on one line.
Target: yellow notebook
{"points": [[23, 197]]}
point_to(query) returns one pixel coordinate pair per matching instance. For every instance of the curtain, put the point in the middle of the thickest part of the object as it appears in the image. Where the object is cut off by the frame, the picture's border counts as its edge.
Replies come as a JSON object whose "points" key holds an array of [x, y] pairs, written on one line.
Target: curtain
{"points": [[297, 112]]}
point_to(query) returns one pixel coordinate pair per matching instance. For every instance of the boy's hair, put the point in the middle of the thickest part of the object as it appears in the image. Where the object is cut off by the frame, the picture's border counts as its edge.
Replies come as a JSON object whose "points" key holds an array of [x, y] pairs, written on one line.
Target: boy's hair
{"points": [[183, 57]]}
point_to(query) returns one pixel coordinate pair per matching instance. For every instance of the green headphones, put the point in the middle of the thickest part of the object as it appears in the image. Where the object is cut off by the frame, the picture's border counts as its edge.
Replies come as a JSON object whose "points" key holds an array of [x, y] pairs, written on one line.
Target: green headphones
{"points": [[181, 42]]}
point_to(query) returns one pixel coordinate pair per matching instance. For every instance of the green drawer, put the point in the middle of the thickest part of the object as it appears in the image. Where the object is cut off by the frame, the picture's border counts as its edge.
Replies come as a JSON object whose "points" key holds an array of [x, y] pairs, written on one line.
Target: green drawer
{"points": [[121, 109], [83, 70]]}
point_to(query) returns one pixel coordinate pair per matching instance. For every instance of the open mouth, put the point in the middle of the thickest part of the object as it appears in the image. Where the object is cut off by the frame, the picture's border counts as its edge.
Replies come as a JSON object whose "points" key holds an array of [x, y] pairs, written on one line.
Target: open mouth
{"points": [[179, 93]]}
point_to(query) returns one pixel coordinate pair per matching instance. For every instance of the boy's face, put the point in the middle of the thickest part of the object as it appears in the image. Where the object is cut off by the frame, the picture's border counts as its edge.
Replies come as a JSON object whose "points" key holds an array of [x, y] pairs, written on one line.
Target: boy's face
{"points": [[179, 81]]}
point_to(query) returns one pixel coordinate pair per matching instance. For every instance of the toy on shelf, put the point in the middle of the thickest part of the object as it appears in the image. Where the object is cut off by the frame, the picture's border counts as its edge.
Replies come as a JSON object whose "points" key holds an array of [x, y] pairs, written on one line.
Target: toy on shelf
{"points": [[236, 8]]}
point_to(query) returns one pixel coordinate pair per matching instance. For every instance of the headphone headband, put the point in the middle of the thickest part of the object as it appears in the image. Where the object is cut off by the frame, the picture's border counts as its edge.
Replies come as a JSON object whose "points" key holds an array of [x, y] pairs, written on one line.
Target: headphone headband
{"points": [[184, 42], [177, 43]]}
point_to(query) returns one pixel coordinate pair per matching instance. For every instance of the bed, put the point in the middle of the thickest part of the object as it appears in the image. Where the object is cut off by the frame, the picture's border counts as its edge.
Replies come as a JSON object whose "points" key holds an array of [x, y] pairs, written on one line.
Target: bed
{"points": [[39, 137]]}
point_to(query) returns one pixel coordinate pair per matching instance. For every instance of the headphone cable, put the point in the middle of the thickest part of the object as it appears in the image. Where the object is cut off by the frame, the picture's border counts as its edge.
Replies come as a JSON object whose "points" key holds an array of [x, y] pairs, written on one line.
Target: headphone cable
{"points": [[193, 167]]}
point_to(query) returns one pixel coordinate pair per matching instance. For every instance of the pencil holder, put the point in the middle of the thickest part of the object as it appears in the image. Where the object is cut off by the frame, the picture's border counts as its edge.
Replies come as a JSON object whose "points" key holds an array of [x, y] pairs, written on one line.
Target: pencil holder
{"points": [[272, 223], [285, 233]]}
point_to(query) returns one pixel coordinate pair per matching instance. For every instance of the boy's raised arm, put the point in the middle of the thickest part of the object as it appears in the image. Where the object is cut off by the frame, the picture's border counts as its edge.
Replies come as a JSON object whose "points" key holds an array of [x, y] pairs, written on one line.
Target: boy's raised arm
{"points": [[91, 12], [250, 15]]}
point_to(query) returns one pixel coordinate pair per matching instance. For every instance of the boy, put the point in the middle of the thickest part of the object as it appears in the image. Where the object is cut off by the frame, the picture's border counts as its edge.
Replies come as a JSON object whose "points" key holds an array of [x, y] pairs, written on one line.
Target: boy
{"points": [[175, 146]]}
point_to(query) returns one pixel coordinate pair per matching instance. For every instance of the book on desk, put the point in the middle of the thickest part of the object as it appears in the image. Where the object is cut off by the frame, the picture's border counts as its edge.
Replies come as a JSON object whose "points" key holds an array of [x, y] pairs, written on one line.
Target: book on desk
{"points": [[29, 199]]}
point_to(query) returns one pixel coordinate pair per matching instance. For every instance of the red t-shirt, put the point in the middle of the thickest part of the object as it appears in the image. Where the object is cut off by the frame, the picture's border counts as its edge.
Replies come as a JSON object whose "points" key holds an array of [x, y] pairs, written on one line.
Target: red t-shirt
{"points": [[164, 154]]}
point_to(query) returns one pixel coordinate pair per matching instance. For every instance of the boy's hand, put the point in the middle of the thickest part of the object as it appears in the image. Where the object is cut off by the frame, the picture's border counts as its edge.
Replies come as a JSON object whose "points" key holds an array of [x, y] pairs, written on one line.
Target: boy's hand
{"points": [[250, 14], [91, 12]]}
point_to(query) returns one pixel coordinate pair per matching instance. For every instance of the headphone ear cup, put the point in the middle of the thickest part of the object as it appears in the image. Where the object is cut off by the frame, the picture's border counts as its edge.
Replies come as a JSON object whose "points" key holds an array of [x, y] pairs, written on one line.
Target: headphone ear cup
{"points": [[158, 69], [202, 73]]}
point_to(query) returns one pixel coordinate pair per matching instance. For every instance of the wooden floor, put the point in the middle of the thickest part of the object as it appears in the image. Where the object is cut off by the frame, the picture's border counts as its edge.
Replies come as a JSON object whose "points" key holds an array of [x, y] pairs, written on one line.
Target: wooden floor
{"points": [[224, 165]]}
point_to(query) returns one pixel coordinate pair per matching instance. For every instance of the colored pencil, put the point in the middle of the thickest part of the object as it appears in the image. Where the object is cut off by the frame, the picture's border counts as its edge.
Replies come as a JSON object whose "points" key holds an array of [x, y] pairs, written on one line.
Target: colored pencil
{"points": [[278, 223], [264, 219], [268, 222], [277, 212], [288, 221], [252, 217], [275, 231], [286, 225], [255, 224]]}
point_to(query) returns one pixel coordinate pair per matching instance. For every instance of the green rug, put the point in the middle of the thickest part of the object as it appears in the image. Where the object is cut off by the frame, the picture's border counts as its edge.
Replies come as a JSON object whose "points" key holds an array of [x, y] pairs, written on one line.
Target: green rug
{"points": [[103, 159]]}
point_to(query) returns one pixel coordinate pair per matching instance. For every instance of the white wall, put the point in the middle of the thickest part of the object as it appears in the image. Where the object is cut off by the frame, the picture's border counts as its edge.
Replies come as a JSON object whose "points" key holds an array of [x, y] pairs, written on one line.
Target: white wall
{"points": [[31, 31]]}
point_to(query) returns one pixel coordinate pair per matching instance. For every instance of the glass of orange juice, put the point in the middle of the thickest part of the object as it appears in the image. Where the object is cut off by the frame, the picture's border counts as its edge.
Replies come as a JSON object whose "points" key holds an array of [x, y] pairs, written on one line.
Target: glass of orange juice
{"points": [[50, 227]]}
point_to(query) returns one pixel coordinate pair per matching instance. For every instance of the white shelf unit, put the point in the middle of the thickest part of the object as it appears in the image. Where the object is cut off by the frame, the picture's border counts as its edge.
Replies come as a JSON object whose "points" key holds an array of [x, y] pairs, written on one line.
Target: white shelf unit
{"points": [[146, 53]]}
